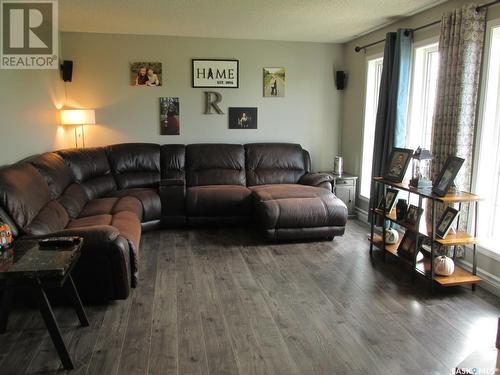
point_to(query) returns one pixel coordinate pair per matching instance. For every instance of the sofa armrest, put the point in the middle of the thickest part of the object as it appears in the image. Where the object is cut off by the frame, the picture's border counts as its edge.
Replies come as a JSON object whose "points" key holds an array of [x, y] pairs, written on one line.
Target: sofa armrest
{"points": [[173, 201], [103, 271], [316, 179]]}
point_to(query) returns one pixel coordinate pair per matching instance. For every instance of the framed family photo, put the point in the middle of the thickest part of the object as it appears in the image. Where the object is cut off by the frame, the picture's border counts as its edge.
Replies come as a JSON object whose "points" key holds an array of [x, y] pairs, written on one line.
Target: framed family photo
{"points": [[407, 247], [169, 116], [242, 117], [447, 175], [215, 73], [444, 224], [412, 214], [389, 200], [274, 82], [146, 74], [398, 163]]}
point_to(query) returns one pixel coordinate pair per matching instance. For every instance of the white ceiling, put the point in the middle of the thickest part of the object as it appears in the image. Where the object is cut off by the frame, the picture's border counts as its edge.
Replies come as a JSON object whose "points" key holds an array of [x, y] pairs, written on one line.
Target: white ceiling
{"points": [[334, 21]]}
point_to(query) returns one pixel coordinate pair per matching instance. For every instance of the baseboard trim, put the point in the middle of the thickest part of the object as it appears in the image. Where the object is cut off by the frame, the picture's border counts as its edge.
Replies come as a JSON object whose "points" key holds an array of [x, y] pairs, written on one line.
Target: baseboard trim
{"points": [[490, 282], [362, 215]]}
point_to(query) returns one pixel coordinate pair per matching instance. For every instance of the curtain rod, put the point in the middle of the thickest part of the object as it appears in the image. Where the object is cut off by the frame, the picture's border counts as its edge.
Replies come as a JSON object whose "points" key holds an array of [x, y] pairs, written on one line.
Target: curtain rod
{"points": [[480, 7]]}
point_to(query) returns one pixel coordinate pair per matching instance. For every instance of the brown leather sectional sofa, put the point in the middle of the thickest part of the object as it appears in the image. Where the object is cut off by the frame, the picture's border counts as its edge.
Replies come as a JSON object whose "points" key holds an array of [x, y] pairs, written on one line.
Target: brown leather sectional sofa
{"points": [[109, 194]]}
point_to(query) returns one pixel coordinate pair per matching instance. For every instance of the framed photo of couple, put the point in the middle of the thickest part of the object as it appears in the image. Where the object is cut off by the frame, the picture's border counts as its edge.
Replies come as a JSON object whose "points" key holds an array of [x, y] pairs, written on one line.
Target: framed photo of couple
{"points": [[146, 74]]}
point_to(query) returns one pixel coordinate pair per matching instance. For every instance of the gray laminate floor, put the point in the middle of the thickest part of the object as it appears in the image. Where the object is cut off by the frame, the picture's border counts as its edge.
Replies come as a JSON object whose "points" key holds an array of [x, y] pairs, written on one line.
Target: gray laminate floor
{"points": [[224, 302]]}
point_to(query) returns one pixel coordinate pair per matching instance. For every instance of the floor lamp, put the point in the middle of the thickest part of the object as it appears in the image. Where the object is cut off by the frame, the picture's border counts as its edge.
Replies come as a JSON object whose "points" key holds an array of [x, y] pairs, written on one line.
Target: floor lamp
{"points": [[79, 117]]}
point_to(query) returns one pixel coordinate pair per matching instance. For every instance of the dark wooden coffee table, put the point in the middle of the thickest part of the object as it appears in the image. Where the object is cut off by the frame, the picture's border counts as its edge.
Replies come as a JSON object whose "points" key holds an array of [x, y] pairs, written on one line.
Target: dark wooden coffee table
{"points": [[28, 267]]}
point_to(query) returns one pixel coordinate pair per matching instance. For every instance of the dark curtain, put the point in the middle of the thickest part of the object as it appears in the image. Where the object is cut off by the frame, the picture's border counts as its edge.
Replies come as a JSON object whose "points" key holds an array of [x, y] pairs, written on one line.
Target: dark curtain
{"points": [[390, 127]]}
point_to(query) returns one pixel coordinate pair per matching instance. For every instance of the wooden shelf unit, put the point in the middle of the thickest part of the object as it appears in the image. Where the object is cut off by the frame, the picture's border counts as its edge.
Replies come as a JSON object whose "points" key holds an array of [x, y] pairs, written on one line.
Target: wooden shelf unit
{"points": [[427, 228]]}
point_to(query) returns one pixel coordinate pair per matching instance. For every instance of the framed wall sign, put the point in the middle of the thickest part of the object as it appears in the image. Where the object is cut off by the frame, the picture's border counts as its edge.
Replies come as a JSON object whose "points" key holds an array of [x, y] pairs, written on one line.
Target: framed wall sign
{"points": [[215, 73]]}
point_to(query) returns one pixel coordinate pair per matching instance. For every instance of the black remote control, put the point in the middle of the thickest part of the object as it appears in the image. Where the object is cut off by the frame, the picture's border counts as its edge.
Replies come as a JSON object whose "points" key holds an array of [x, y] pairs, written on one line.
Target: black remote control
{"points": [[57, 242]]}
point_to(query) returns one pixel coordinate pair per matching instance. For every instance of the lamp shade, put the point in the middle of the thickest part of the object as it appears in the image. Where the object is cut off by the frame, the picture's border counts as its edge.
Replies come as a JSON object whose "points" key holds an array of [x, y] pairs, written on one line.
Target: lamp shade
{"points": [[77, 117]]}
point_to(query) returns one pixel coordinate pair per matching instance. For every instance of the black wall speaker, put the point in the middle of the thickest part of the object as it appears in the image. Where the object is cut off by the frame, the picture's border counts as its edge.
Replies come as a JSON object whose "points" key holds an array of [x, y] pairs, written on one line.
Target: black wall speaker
{"points": [[340, 79], [67, 70]]}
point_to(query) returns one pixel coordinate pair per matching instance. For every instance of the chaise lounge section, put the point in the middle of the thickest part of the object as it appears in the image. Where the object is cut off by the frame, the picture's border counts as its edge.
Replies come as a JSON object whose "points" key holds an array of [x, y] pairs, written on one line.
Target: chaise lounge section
{"points": [[108, 195]]}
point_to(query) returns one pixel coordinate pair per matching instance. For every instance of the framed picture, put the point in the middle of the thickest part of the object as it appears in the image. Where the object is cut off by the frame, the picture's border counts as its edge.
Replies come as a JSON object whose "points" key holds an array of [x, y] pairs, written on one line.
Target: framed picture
{"points": [[444, 223], [274, 82], [390, 198], [146, 74], [242, 117], [412, 214], [447, 175], [169, 116], [215, 73], [407, 247], [398, 163]]}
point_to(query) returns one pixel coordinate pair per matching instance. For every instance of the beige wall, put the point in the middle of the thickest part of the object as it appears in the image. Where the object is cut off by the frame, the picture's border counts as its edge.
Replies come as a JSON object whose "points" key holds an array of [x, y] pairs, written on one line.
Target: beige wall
{"points": [[309, 114], [29, 120]]}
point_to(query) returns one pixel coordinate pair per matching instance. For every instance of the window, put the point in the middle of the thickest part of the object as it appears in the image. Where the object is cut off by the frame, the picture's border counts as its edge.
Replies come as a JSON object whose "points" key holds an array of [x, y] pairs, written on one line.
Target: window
{"points": [[487, 179], [374, 76], [422, 96]]}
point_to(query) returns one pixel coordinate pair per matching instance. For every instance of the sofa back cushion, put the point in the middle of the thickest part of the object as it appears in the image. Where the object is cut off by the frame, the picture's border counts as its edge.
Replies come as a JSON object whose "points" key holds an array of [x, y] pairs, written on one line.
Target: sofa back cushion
{"points": [[54, 171], [51, 218], [135, 164], [215, 164], [91, 169], [23, 193], [274, 163], [173, 162]]}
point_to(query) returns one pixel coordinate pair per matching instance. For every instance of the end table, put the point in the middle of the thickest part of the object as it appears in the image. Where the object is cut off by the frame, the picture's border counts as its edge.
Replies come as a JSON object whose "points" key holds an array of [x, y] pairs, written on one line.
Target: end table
{"points": [[27, 266]]}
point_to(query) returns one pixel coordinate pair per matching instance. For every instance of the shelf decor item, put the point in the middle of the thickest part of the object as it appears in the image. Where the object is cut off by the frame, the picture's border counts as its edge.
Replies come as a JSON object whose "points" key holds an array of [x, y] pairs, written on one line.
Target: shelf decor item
{"points": [[412, 214], [398, 163], [401, 209], [407, 247], [447, 175], [391, 236], [444, 266], [388, 200], [444, 223], [421, 169]]}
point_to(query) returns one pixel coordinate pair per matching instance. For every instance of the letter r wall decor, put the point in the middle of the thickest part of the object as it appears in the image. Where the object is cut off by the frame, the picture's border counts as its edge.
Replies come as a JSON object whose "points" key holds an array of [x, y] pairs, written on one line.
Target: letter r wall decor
{"points": [[215, 73]]}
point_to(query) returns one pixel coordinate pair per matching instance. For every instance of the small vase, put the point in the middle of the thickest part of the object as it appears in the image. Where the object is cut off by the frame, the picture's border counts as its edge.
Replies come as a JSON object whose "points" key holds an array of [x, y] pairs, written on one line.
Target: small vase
{"points": [[401, 209]]}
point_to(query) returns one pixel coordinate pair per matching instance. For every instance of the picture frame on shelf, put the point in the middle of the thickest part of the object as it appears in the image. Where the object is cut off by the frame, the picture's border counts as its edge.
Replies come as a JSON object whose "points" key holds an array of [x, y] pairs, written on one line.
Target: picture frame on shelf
{"points": [[390, 198], [447, 175], [398, 164], [407, 247], [444, 224], [412, 214]]}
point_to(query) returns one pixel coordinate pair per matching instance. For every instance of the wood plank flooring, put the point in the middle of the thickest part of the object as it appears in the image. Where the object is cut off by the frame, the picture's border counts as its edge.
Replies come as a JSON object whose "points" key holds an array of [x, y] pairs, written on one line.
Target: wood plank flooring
{"points": [[225, 302]]}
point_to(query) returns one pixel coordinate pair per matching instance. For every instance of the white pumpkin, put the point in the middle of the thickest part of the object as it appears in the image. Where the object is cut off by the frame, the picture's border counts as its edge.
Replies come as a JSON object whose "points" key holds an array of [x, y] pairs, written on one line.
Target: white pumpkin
{"points": [[391, 236], [444, 266]]}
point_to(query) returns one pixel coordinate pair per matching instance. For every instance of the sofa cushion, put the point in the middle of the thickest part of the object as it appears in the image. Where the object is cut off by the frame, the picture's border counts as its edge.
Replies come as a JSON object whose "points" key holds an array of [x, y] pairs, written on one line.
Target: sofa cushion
{"points": [[23, 193], [218, 200], [135, 164], [51, 218], [74, 199], [215, 164], [172, 161], [112, 205], [149, 199], [54, 170], [90, 168], [297, 206], [274, 163]]}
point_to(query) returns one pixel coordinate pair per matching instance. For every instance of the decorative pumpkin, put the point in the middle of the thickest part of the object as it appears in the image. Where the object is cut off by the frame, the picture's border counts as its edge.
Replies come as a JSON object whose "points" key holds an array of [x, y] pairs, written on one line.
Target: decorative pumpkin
{"points": [[444, 266], [391, 236], [5, 236]]}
